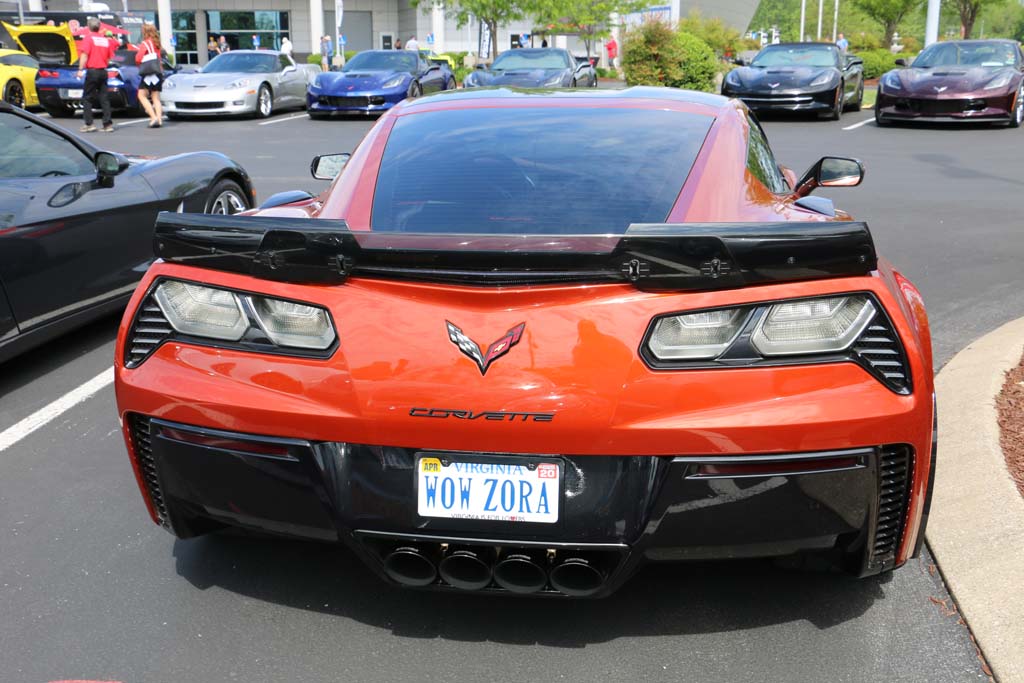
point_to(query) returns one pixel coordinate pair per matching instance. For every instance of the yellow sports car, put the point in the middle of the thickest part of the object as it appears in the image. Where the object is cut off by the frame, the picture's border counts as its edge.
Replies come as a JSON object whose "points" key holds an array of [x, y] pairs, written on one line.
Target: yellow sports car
{"points": [[435, 58], [18, 78]]}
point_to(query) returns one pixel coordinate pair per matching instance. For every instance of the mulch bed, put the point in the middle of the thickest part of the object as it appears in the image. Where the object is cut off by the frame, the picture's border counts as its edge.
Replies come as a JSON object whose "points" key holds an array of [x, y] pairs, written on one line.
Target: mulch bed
{"points": [[1010, 407]]}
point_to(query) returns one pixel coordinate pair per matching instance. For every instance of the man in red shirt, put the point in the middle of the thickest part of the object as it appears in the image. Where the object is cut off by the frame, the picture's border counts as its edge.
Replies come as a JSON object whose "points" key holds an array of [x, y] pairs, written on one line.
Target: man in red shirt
{"points": [[96, 51], [613, 51]]}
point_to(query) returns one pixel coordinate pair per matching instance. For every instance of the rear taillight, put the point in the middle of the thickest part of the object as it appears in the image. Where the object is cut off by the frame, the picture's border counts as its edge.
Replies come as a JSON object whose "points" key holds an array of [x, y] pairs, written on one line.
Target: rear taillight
{"points": [[114, 74], [44, 73]]}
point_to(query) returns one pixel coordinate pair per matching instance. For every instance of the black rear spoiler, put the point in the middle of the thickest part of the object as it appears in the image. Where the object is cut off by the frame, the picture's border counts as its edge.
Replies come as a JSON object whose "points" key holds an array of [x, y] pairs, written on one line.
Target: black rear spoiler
{"points": [[653, 257]]}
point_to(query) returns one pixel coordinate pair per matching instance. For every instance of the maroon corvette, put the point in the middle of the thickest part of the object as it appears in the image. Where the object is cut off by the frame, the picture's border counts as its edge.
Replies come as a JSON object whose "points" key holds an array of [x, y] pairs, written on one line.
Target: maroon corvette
{"points": [[961, 80]]}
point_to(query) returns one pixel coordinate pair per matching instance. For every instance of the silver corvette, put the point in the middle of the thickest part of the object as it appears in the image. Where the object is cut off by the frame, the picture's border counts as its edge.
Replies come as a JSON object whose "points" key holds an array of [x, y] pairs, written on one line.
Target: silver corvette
{"points": [[257, 82]]}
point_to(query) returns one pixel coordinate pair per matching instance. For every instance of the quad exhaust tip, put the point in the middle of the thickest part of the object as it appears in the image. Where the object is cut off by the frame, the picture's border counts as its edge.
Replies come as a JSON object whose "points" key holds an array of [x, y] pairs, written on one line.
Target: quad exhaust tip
{"points": [[467, 568], [521, 572], [577, 576], [409, 566]]}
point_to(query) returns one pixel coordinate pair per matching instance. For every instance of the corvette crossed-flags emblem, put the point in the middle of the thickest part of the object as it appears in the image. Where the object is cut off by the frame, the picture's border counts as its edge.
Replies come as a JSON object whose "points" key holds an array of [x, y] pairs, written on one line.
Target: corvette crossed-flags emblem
{"points": [[496, 350]]}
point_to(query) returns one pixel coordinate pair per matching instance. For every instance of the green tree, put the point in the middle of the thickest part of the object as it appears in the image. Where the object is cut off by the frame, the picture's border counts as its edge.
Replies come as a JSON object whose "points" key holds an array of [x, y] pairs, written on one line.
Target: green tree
{"points": [[590, 19], [888, 13], [713, 31], [492, 13], [969, 11], [655, 54]]}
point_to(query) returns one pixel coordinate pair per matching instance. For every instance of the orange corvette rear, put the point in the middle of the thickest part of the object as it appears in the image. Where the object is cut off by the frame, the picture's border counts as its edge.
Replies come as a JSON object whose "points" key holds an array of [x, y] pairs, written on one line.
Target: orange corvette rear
{"points": [[528, 342]]}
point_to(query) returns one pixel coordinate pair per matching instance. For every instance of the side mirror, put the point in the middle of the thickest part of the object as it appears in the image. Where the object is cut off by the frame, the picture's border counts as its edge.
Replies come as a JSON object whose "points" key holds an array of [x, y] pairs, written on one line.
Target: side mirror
{"points": [[582, 65], [109, 164], [479, 67], [291, 68], [328, 166], [852, 61], [831, 172], [739, 61], [434, 67], [901, 62]]}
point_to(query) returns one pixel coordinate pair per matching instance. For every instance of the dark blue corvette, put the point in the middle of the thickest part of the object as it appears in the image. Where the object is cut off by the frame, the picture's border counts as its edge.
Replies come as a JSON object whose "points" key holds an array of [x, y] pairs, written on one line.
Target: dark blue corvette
{"points": [[374, 81]]}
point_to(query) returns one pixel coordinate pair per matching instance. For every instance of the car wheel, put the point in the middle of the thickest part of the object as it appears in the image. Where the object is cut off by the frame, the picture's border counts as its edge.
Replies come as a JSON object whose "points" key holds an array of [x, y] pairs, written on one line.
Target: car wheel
{"points": [[264, 102], [1017, 117], [14, 94], [879, 121], [450, 85], [316, 117], [593, 83], [414, 90], [860, 98], [837, 106], [60, 112], [226, 198]]}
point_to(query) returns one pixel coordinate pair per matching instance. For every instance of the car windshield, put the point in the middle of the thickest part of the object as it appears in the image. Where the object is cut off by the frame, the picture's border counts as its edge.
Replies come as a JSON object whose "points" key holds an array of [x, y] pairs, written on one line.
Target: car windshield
{"points": [[534, 170], [993, 54], [393, 60], [242, 62], [524, 59], [797, 55]]}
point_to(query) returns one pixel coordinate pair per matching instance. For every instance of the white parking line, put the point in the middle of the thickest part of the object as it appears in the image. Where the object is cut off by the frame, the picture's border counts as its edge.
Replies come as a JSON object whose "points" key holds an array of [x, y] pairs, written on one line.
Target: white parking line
{"points": [[289, 118], [130, 123], [51, 411], [859, 124]]}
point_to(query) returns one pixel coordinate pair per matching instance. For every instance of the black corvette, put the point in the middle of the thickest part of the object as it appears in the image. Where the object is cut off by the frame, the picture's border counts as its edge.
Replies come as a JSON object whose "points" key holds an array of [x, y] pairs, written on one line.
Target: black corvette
{"points": [[76, 223], [813, 77], [546, 67]]}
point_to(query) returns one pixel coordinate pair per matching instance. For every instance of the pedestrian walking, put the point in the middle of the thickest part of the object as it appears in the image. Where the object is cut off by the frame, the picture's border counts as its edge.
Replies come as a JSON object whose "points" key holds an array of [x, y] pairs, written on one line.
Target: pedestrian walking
{"points": [[96, 51], [326, 53], [286, 46], [152, 73], [212, 49], [842, 43], [412, 44], [613, 51]]}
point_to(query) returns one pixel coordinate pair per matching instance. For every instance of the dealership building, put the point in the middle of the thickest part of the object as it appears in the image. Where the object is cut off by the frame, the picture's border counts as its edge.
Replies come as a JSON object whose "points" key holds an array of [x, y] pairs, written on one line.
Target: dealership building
{"points": [[364, 24]]}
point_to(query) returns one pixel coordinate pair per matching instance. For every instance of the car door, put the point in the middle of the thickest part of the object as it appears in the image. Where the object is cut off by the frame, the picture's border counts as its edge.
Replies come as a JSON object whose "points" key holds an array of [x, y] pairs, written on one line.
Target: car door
{"points": [[24, 69], [852, 76], [68, 240], [431, 76], [292, 81]]}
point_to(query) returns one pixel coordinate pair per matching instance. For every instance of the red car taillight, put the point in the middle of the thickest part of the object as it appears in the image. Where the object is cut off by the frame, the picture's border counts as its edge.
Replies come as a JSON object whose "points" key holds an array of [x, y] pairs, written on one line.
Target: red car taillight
{"points": [[43, 73]]}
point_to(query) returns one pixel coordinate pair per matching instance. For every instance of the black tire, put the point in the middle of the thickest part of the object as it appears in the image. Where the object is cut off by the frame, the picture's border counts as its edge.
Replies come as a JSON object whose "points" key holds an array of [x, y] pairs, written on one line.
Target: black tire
{"points": [[414, 90], [60, 113], [837, 107], [1017, 115], [14, 93], [879, 121], [317, 117], [227, 197], [573, 84], [264, 102], [174, 117], [859, 102], [450, 85]]}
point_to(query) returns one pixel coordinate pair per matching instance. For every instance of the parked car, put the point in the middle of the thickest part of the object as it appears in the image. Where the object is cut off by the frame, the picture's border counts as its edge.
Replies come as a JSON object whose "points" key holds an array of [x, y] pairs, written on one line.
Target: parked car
{"points": [[543, 67], [374, 81], [529, 343], [958, 80], [253, 82], [435, 58], [58, 85], [18, 78], [76, 223], [811, 77]]}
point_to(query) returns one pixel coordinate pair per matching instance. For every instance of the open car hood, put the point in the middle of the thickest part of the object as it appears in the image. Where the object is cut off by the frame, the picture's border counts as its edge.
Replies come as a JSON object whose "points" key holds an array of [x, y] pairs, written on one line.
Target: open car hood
{"points": [[50, 45]]}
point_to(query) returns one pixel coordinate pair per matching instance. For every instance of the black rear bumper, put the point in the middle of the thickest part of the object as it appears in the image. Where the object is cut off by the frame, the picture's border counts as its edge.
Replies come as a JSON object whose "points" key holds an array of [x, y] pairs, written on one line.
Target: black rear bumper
{"points": [[618, 512]]}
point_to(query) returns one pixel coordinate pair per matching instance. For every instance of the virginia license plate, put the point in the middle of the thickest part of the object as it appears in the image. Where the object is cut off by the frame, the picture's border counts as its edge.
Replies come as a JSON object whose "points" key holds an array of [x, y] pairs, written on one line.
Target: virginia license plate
{"points": [[520, 490], [75, 94]]}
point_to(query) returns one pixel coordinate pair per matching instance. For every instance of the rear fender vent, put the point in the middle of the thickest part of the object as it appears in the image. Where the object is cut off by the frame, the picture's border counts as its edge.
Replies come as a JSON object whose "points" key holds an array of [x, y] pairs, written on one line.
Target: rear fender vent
{"points": [[142, 441], [879, 350], [149, 330], [895, 474]]}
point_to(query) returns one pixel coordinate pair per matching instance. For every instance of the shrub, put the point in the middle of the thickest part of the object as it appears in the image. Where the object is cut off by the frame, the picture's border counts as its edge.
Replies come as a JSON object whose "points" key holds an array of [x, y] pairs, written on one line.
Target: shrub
{"points": [[861, 42], [313, 58], [654, 54], [723, 40], [877, 62], [461, 72]]}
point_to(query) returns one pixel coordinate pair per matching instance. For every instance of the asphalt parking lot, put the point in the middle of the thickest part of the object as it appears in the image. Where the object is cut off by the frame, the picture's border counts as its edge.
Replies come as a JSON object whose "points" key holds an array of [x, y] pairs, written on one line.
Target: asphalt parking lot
{"points": [[91, 589]]}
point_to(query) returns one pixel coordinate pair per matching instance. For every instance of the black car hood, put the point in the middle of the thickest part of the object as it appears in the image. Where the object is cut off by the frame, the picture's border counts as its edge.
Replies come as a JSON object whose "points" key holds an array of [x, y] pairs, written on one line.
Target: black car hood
{"points": [[780, 77], [526, 78]]}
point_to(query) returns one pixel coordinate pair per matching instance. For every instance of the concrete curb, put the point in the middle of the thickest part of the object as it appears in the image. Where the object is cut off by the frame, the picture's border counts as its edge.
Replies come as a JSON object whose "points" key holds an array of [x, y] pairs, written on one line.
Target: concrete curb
{"points": [[976, 526]]}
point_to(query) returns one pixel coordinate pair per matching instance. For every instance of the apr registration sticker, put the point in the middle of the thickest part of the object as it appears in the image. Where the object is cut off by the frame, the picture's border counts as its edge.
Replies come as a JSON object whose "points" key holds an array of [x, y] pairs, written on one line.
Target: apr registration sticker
{"points": [[516, 491]]}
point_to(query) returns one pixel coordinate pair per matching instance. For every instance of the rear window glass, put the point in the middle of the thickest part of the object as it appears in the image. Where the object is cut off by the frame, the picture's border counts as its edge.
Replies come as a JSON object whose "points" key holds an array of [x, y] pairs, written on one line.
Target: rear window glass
{"points": [[516, 170]]}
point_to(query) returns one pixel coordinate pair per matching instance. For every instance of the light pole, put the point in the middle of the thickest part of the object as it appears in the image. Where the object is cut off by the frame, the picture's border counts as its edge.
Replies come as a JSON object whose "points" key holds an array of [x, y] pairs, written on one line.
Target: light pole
{"points": [[21, 14], [821, 11], [931, 26], [835, 23], [803, 16]]}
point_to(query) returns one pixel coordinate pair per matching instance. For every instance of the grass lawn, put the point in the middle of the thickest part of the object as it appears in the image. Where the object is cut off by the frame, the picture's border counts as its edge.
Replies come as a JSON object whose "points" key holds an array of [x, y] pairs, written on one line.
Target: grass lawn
{"points": [[870, 94]]}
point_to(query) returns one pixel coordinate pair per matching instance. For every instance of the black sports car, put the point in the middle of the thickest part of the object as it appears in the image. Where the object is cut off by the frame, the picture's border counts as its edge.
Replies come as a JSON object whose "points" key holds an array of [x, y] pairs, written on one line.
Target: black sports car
{"points": [[814, 77], [76, 223], [545, 67]]}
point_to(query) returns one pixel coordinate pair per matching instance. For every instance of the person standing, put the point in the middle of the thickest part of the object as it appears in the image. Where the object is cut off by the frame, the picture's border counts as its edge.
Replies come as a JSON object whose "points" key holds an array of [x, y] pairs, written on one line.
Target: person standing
{"points": [[842, 43], [212, 49], [613, 51], [96, 51], [286, 46], [398, 44], [326, 53], [222, 43], [152, 73], [412, 44]]}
